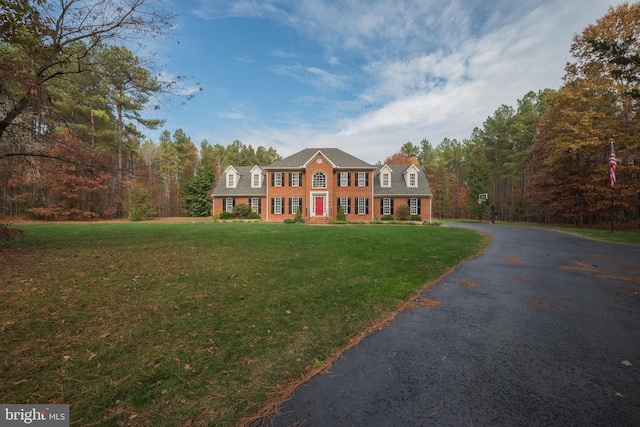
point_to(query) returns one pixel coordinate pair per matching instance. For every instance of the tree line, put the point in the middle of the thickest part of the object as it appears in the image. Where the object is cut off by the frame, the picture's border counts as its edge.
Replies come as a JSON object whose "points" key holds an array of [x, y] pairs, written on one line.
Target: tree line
{"points": [[73, 98], [548, 158]]}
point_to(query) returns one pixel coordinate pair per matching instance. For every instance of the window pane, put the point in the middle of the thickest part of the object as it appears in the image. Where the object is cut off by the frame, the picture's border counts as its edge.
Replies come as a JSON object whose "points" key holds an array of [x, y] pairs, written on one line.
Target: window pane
{"points": [[344, 202], [277, 179], [362, 179], [228, 205], [319, 180], [295, 179], [255, 203], [385, 179], [230, 180], [413, 206], [344, 179], [277, 205], [386, 206]]}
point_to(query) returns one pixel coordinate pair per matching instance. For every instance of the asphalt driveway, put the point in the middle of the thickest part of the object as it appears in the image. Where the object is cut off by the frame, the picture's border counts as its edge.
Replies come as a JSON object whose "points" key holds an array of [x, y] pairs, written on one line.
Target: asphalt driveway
{"points": [[543, 329]]}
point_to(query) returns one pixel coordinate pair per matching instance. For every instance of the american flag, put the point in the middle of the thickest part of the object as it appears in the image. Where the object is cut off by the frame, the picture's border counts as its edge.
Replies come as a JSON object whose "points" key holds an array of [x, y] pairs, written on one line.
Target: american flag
{"points": [[614, 165]]}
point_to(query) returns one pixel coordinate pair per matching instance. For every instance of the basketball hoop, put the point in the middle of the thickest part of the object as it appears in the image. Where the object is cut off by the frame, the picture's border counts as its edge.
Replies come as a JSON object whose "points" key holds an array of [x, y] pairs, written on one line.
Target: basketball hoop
{"points": [[483, 197]]}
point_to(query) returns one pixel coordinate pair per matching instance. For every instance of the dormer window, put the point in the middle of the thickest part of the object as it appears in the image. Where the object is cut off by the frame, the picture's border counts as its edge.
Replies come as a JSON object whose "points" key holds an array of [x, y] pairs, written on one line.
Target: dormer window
{"points": [[413, 180], [255, 180], [231, 180], [384, 175], [411, 176]]}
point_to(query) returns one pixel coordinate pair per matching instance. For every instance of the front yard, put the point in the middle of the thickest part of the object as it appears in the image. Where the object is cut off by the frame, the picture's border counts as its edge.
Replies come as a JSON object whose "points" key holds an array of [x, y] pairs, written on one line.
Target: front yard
{"points": [[203, 323]]}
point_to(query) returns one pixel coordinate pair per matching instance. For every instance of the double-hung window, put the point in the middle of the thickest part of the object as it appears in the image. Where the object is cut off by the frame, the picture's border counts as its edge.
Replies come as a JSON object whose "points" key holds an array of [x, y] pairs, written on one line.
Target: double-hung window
{"points": [[344, 179], [414, 206], [255, 204], [276, 205], [294, 205], [294, 179], [277, 179], [231, 180], [363, 179], [387, 206], [412, 180], [362, 205], [344, 202], [256, 180], [228, 204]]}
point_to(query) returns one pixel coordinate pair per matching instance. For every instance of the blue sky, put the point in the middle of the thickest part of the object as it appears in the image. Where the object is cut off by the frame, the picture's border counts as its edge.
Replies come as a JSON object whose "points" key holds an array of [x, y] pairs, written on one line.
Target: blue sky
{"points": [[365, 76]]}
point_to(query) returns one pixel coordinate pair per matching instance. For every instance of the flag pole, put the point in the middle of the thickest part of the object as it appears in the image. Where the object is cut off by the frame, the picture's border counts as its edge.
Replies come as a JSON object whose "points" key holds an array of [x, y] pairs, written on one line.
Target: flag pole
{"points": [[611, 209]]}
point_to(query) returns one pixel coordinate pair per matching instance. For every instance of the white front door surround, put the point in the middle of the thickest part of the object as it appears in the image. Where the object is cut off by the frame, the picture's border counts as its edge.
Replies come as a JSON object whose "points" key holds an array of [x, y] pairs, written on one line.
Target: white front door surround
{"points": [[318, 203]]}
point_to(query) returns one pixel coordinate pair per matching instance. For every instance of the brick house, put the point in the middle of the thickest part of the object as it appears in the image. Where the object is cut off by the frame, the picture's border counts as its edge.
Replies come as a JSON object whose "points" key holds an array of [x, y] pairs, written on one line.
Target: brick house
{"points": [[320, 180]]}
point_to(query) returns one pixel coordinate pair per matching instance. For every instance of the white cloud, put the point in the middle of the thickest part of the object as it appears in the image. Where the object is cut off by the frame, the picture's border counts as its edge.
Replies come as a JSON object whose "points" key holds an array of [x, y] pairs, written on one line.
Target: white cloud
{"points": [[320, 79], [415, 69]]}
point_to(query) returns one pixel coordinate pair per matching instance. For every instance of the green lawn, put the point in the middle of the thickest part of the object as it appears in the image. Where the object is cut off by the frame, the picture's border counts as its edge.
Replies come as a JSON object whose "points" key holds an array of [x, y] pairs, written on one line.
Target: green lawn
{"points": [[158, 324], [616, 236]]}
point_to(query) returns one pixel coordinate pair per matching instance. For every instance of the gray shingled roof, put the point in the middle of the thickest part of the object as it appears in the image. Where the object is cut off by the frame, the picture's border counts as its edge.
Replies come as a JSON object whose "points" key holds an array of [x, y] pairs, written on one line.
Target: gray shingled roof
{"points": [[243, 187], [342, 160], [398, 184], [338, 157]]}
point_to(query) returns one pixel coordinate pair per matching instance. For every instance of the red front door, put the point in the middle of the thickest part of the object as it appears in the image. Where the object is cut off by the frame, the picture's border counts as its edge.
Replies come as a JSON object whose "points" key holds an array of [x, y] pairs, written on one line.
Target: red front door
{"points": [[319, 206]]}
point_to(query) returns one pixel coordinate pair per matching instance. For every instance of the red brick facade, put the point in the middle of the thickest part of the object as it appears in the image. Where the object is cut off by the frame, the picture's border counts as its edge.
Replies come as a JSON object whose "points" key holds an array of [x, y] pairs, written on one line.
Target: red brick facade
{"points": [[317, 188]]}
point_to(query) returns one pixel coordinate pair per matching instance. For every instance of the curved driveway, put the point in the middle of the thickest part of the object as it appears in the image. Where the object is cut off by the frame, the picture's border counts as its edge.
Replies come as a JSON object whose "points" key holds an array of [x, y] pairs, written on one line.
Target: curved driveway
{"points": [[543, 329]]}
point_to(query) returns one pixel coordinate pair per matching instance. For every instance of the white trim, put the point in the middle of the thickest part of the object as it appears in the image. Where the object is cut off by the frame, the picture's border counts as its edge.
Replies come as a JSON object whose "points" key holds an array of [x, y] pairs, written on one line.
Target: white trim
{"points": [[312, 158], [385, 171], [413, 169], [324, 177], [228, 172], [312, 202]]}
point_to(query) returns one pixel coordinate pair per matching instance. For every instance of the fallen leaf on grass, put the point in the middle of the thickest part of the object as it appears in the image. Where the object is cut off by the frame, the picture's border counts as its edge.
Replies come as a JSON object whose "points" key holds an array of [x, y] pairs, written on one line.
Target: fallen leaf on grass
{"points": [[626, 363], [66, 358]]}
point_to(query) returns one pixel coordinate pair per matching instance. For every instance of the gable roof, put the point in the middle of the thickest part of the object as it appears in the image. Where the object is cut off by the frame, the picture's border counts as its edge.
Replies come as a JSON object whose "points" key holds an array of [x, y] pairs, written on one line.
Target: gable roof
{"points": [[337, 157], [243, 186], [399, 185]]}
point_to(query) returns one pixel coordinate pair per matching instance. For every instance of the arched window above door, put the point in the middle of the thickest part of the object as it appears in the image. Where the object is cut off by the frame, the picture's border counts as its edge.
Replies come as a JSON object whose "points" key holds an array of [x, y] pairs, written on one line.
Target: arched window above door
{"points": [[319, 180]]}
